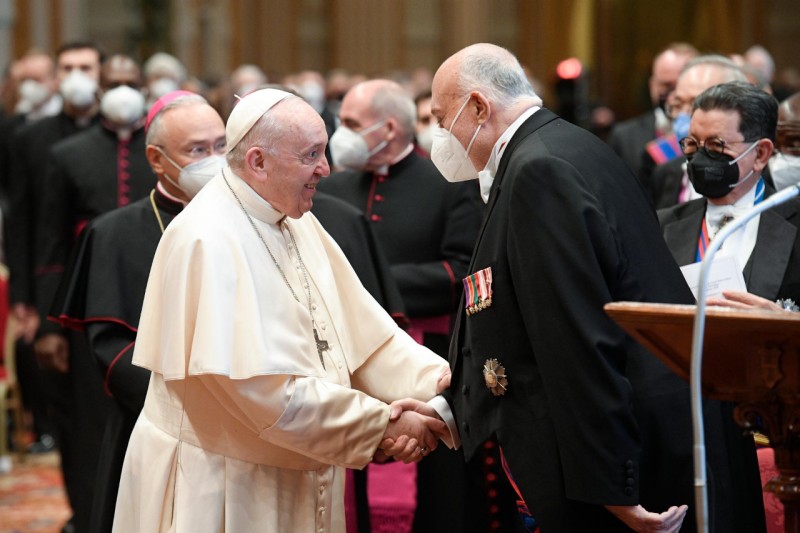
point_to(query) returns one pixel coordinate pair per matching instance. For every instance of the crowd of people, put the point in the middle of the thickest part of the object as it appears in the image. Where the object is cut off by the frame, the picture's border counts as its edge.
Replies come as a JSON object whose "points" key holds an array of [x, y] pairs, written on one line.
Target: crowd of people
{"points": [[235, 305]]}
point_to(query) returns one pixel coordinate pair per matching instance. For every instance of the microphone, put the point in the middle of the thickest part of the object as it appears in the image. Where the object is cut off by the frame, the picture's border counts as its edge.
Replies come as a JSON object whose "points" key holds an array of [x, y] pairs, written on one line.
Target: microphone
{"points": [[701, 497]]}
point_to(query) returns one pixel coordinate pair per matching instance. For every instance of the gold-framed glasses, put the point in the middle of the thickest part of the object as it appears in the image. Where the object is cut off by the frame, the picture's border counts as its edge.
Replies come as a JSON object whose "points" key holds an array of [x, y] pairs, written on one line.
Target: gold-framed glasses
{"points": [[714, 146]]}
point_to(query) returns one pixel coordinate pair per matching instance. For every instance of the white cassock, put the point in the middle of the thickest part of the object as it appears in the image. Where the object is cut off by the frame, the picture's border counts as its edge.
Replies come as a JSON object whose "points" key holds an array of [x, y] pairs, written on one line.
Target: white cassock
{"points": [[243, 429]]}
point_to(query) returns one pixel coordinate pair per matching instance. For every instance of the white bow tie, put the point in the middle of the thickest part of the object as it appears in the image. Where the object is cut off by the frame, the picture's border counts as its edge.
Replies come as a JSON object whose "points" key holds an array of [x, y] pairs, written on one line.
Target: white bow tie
{"points": [[717, 213]]}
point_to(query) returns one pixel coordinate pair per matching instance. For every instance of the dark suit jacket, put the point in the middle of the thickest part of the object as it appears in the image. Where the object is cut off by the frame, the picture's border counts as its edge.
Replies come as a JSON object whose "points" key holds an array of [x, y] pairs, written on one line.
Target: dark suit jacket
{"points": [[628, 138], [590, 418], [773, 270]]}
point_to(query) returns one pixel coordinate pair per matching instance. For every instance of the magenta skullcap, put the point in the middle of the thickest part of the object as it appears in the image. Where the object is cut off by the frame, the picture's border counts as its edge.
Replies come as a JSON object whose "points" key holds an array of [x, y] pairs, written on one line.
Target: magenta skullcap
{"points": [[161, 103]]}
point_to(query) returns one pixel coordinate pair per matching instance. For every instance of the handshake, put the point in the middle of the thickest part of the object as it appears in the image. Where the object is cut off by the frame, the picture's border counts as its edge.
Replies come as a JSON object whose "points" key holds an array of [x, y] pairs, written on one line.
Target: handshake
{"points": [[414, 428]]}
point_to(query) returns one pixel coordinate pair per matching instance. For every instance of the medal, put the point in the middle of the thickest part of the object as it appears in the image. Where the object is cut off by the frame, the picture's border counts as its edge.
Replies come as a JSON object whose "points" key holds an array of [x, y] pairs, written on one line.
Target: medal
{"points": [[478, 291], [494, 375]]}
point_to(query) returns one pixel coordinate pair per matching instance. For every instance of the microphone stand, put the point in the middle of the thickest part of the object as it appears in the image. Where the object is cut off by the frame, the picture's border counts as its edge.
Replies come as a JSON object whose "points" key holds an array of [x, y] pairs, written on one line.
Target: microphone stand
{"points": [[701, 497]]}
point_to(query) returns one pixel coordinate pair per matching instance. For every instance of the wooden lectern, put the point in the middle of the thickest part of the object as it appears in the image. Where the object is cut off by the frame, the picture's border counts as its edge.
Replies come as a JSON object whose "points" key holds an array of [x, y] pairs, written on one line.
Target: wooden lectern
{"points": [[751, 358]]}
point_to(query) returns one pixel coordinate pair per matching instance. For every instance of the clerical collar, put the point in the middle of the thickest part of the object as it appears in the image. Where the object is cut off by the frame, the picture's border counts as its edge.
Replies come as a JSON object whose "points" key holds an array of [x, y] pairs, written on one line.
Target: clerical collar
{"points": [[384, 169], [486, 176], [255, 205], [164, 193]]}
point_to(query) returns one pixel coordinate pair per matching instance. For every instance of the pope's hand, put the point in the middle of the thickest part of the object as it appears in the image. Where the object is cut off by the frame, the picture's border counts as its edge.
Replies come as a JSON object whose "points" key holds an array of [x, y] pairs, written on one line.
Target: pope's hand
{"points": [[411, 435], [639, 519]]}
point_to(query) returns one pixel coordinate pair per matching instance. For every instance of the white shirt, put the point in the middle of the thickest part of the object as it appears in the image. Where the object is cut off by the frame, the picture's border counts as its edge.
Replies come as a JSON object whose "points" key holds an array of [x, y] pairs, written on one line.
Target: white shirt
{"points": [[486, 176], [741, 243]]}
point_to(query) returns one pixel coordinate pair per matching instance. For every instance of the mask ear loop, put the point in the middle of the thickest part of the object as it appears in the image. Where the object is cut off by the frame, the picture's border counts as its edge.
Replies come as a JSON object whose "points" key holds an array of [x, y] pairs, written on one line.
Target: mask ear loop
{"points": [[381, 145], [734, 161], [176, 165], [477, 130]]}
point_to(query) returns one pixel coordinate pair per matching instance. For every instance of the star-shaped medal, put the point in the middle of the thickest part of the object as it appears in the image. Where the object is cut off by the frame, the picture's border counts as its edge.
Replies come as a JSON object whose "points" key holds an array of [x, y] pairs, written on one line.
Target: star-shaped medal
{"points": [[494, 375]]}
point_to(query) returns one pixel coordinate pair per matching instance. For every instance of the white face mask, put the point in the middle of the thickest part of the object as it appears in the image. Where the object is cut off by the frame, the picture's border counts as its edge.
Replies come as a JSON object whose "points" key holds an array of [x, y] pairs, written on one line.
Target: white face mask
{"points": [[161, 86], [122, 105], [79, 89], [349, 149], [785, 170], [194, 176], [449, 156], [425, 138], [32, 94]]}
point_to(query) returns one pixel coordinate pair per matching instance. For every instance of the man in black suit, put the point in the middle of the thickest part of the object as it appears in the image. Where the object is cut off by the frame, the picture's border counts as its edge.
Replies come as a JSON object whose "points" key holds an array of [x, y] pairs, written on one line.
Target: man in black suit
{"points": [[735, 122], [595, 431], [628, 138]]}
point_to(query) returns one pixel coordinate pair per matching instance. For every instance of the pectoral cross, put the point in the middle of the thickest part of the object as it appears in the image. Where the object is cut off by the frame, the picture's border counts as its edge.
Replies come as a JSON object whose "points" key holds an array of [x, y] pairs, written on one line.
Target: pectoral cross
{"points": [[322, 345]]}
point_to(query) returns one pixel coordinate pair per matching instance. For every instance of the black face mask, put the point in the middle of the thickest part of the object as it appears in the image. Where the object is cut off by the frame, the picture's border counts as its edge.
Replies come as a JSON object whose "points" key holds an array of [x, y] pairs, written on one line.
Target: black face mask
{"points": [[715, 178]]}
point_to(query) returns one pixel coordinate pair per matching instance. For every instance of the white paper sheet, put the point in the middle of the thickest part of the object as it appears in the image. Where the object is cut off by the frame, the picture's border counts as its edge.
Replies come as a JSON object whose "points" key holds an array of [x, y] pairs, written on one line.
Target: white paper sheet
{"points": [[725, 274]]}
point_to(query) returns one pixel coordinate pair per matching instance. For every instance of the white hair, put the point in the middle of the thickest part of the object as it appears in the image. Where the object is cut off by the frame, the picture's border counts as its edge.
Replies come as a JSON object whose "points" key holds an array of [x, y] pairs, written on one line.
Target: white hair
{"points": [[499, 76]]}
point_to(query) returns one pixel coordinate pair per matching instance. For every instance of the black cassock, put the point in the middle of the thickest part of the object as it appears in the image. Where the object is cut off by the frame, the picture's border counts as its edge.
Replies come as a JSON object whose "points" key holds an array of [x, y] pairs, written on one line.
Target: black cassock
{"points": [[103, 289], [89, 173], [101, 294]]}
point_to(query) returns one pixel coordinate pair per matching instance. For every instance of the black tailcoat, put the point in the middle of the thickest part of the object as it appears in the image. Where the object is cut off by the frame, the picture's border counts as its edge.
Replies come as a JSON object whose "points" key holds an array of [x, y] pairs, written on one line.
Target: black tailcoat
{"points": [[590, 418]]}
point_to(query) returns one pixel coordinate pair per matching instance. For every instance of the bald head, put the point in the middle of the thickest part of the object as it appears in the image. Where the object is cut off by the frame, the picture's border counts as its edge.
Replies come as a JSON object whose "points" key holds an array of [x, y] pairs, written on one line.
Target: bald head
{"points": [[387, 99], [698, 75], [492, 70], [486, 88], [383, 114], [667, 66]]}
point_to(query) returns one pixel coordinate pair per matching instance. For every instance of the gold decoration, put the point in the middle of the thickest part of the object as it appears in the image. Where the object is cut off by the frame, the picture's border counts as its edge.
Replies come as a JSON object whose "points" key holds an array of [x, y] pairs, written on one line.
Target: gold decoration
{"points": [[494, 374]]}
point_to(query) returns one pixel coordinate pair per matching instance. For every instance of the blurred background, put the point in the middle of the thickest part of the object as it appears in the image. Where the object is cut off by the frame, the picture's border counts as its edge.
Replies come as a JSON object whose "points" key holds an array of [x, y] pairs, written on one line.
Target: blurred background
{"points": [[613, 40]]}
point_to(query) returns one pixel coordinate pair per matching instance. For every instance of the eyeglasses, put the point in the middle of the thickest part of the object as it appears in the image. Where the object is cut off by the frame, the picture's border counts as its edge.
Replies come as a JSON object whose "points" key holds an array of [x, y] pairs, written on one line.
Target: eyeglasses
{"points": [[675, 106], [715, 147]]}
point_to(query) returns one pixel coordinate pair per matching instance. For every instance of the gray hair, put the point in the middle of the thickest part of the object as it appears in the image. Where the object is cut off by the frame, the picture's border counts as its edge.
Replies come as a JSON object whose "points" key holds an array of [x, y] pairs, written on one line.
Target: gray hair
{"points": [[155, 130], [499, 77], [266, 133], [394, 102], [718, 61]]}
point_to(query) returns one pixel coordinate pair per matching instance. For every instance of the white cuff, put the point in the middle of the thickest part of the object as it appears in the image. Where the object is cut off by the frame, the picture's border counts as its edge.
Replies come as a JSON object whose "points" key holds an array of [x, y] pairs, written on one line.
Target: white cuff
{"points": [[442, 408]]}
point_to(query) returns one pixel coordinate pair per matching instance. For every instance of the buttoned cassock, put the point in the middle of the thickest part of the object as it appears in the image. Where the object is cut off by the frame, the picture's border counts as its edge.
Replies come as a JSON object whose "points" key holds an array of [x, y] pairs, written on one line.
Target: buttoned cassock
{"points": [[243, 427], [590, 418]]}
